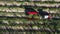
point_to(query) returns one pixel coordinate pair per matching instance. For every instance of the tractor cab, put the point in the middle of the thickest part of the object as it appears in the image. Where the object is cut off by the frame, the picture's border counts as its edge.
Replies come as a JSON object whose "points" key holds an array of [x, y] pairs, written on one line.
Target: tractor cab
{"points": [[29, 11]]}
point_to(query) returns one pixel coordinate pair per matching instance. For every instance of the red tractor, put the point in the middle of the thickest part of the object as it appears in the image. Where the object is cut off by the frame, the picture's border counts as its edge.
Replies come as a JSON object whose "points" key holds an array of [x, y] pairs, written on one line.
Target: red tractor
{"points": [[44, 14]]}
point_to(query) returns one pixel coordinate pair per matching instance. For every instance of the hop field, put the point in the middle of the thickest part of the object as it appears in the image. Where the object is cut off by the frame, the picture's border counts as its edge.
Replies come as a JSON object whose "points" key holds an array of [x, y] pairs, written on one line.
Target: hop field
{"points": [[14, 21]]}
